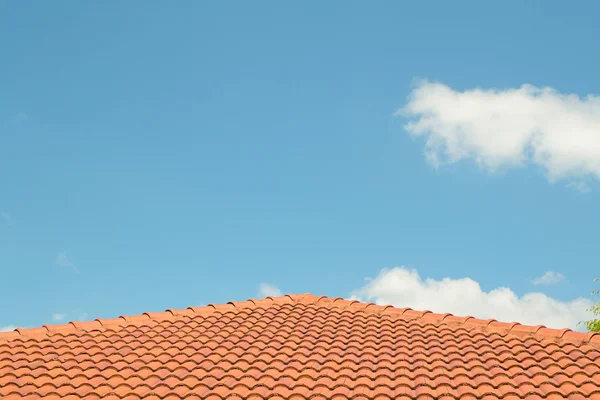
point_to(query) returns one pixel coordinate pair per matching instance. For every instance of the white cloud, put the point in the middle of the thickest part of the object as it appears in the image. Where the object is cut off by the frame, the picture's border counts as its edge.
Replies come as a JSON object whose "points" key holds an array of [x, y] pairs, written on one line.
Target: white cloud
{"points": [[266, 289], [549, 278], [6, 217], [83, 316], [580, 186], [7, 328], [403, 287], [18, 118], [508, 128], [57, 317], [63, 261]]}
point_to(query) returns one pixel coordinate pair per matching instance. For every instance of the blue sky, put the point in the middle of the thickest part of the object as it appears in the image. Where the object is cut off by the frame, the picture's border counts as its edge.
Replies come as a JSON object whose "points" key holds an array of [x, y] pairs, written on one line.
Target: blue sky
{"points": [[158, 157]]}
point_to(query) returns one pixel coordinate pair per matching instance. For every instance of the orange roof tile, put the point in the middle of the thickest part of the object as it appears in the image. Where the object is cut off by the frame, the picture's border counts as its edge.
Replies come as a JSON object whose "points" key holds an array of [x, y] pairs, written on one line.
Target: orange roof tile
{"points": [[298, 347]]}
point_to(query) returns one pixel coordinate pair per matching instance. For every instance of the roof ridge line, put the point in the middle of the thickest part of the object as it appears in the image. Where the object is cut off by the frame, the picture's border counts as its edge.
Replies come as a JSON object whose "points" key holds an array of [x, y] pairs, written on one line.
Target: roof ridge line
{"points": [[489, 325]]}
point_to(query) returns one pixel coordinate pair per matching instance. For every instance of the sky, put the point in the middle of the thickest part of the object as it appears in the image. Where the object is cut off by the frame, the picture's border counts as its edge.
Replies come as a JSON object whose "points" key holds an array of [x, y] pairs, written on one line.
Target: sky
{"points": [[425, 155]]}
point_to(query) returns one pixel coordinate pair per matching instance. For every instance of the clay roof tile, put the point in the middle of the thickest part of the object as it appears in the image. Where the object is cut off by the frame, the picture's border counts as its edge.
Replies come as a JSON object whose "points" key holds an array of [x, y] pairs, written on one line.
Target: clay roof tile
{"points": [[299, 347]]}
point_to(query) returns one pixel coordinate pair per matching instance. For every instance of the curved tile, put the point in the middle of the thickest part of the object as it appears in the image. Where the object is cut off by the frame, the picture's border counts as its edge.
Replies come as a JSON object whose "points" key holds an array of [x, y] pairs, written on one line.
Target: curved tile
{"points": [[301, 347]]}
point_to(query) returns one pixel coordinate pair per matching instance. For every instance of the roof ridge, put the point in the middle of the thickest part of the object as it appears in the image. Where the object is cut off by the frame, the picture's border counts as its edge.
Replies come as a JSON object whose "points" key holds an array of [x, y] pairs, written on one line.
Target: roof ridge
{"points": [[489, 325]]}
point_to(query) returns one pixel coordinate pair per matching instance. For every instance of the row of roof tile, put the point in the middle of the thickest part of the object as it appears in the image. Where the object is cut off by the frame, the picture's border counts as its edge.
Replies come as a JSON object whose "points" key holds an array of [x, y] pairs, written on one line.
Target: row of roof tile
{"points": [[489, 325]]}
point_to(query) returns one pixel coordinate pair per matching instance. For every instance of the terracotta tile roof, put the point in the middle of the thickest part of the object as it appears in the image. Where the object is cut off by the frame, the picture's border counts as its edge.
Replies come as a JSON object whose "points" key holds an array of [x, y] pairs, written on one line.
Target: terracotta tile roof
{"points": [[298, 347]]}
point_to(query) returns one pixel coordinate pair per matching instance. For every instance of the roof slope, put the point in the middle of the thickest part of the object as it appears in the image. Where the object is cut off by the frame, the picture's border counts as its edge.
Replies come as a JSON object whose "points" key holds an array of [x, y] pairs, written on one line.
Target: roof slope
{"points": [[298, 347]]}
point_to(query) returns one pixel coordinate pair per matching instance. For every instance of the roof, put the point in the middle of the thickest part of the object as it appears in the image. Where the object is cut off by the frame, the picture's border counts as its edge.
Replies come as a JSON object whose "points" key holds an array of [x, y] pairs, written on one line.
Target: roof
{"points": [[298, 347]]}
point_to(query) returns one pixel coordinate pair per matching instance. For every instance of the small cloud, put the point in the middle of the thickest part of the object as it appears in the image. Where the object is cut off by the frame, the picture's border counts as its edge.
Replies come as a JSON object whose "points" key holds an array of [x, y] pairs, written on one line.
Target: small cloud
{"points": [[549, 278], [83, 316], [22, 122], [57, 317], [63, 261], [7, 218], [7, 328], [19, 117], [580, 186], [266, 290]]}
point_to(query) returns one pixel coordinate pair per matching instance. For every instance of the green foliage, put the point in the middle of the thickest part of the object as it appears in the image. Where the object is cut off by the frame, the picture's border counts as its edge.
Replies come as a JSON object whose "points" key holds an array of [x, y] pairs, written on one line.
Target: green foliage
{"points": [[593, 325]]}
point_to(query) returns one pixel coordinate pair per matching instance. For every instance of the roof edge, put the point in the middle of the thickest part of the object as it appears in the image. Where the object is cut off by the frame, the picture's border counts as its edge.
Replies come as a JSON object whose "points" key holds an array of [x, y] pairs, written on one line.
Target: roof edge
{"points": [[491, 325]]}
